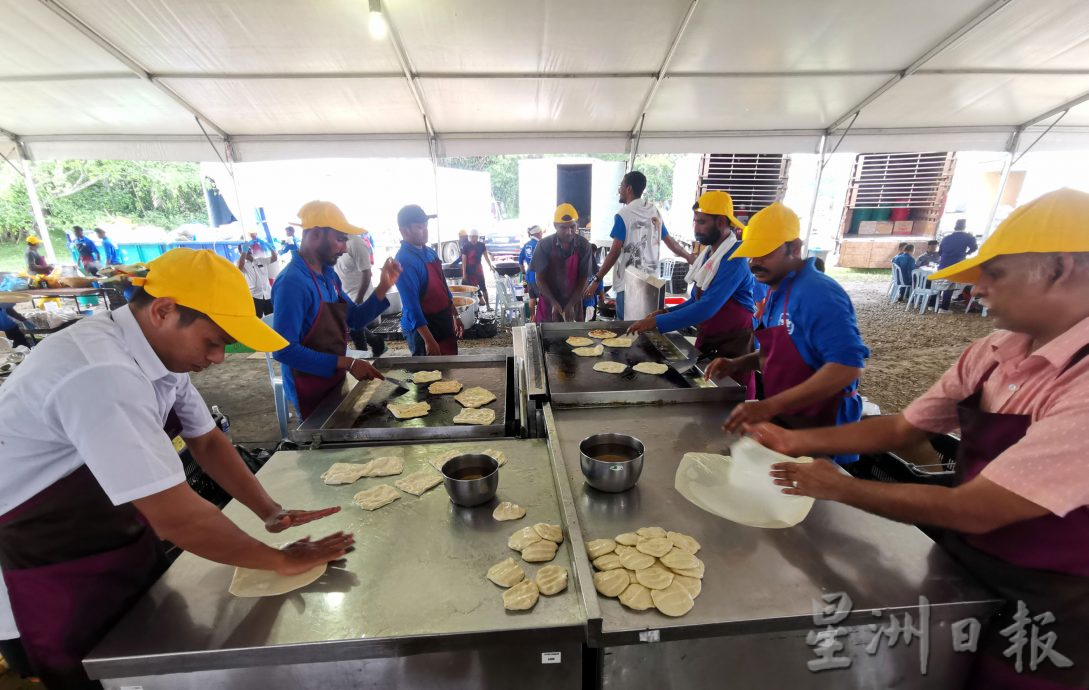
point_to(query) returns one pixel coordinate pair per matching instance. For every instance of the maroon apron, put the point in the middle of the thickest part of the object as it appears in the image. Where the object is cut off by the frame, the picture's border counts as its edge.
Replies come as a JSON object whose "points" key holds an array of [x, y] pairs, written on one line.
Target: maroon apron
{"points": [[474, 270], [1043, 562], [569, 270], [328, 334], [438, 309], [784, 368], [74, 563], [727, 334]]}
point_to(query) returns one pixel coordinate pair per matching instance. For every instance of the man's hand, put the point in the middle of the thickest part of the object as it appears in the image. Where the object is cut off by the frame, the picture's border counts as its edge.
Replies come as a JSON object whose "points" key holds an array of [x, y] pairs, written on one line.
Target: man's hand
{"points": [[459, 328], [431, 346], [283, 519], [721, 367], [750, 412], [777, 438], [590, 289], [645, 324], [302, 555], [817, 479], [364, 370], [557, 312], [391, 271]]}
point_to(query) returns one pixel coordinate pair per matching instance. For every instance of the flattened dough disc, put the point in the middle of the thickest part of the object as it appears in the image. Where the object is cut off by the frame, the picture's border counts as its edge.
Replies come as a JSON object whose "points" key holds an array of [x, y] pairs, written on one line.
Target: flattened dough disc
{"points": [[595, 351], [651, 368], [248, 582], [579, 341], [409, 410], [601, 333], [611, 367], [469, 415], [426, 376], [475, 397]]}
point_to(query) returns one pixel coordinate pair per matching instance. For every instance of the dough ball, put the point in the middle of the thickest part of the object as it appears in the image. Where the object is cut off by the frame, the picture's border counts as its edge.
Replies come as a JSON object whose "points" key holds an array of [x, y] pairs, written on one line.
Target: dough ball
{"points": [[691, 585], [508, 511], [506, 573], [673, 600], [549, 532], [634, 559], [609, 561], [627, 539], [654, 577], [683, 542], [611, 583], [637, 597], [651, 532], [521, 597], [657, 547], [539, 551], [551, 579], [600, 547], [680, 560], [523, 538]]}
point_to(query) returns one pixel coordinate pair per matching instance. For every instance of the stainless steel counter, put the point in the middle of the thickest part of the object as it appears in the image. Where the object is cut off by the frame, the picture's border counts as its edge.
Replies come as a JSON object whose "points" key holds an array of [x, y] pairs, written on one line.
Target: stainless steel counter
{"points": [[415, 585], [760, 585]]}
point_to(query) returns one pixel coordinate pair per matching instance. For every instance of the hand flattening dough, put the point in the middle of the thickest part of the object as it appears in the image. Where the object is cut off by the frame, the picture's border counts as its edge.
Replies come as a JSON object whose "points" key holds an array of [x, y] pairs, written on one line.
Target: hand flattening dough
{"points": [[579, 341], [375, 498], [475, 397], [521, 597], [637, 597], [609, 561], [684, 542], [482, 417], [444, 387], [600, 547], [651, 368], [508, 511], [552, 579], [673, 600], [611, 582], [654, 577], [426, 376], [680, 560], [539, 551], [657, 547], [248, 582], [595, 351], [409, 410], [506, 573], [418, 482], [549, 532], [523, 538], [611, 367]]}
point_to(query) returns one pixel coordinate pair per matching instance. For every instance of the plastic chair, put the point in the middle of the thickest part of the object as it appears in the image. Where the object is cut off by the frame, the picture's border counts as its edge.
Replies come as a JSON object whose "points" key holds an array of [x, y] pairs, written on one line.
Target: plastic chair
{"points": [[898, 284], [971, 301], [921, 293], [507, 306], [276, 380]]}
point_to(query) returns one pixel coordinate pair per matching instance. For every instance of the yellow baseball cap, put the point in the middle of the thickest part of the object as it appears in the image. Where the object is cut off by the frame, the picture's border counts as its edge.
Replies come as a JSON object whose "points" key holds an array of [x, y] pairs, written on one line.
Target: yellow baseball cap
{"points": [[565, 213], [204, 281], [32, 239], [768, 230], [717, 203], [326, 214], [1056, 222]]}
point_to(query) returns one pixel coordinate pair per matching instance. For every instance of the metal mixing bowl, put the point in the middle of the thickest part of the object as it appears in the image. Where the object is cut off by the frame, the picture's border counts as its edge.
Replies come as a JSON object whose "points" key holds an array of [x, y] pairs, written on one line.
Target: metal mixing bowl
{"points": [[471, 492], [611, 476]]}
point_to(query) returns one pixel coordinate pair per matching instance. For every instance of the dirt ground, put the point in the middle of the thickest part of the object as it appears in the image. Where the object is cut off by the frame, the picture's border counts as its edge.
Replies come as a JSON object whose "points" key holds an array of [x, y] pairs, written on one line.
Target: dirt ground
{"points": [[909, 352]]}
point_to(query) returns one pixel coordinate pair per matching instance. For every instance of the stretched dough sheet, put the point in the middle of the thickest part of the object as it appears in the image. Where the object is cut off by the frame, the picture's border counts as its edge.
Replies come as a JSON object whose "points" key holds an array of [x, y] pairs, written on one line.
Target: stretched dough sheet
{"points": [[266, 583], [738, 488]]}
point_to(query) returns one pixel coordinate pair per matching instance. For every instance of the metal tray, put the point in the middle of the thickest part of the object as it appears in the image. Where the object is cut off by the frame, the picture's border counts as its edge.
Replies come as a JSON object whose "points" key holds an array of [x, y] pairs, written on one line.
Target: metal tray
{"points": [[348, 416]]}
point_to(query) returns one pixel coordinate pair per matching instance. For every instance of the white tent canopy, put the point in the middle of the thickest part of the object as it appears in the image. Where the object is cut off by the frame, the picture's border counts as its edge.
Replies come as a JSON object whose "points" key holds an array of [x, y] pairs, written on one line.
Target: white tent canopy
{"points": [[281, 79]]}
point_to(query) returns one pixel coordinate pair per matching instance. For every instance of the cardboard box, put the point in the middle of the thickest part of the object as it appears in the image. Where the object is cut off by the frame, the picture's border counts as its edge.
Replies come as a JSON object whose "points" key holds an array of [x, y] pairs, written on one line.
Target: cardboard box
{"points": [[867, 227], [883, 227], [903, 227], [924, 228]]}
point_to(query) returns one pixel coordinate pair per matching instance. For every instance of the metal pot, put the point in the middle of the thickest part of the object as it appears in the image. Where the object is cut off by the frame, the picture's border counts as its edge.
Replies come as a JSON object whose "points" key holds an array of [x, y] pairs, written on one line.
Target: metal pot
{"points": [[471, 492], [611, 475], [467, 310]]}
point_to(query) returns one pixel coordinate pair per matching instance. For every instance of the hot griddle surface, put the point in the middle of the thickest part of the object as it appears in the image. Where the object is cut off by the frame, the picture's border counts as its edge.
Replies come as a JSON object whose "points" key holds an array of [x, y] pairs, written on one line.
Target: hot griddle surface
{"points": [[569, 373]]}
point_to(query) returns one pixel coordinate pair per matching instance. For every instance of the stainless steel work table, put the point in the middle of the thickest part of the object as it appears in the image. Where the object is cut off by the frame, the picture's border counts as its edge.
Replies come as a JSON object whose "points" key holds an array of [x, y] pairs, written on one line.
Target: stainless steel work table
{"points": [[410, 607], [750, 622]]}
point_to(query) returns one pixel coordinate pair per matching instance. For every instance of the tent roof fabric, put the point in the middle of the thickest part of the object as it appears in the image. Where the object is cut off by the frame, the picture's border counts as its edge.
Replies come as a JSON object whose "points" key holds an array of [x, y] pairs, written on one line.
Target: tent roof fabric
{"points": [[267, 79]]}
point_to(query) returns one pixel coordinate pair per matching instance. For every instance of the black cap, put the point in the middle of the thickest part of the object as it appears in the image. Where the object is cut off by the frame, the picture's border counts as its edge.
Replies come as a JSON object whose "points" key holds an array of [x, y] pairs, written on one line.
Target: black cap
{"points": [[412, 214]]}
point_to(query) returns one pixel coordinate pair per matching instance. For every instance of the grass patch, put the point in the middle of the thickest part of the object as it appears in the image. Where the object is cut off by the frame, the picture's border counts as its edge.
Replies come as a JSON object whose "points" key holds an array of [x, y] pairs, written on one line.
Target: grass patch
{"points": [[237, 348], [12, 256], [865, 275]]}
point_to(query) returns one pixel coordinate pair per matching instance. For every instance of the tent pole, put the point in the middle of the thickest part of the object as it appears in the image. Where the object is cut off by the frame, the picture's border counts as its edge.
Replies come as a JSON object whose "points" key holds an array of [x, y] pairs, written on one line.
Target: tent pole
{"points": [[1006, 165], [816, 191], [35, 202]]}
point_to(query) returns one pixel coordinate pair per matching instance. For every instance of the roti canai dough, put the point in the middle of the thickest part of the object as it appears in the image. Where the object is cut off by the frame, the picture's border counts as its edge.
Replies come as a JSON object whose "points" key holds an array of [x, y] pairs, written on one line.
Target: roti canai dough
{"points": [[680, 560], [409, 410], [611, 367], [506, 573], [549, 532], [651, 368], [248, 582], [427, 376], [508, 511], [342, 473], [499, 456], [376, 497], [600, 547], [523, 538], [475, 397], [654, 577], [657, 547], [673, 600], [601, 333], [683, 542], [632, 578], [611, 583], [579, 341], [383, 467], [595, 351], [691, 585], [636, 597], [651, 532], [627, 539], [418, 482], [439, 460], [539, 551], [552, 579], [609, 561], [444, 387], [622, 341], [470, 415], [696, 572], [521, 597], [633, 559]]}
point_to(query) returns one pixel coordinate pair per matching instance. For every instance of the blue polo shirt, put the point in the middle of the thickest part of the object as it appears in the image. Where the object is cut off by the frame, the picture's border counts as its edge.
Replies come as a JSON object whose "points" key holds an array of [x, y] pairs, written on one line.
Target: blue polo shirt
{"points": [[525, 257], [86, 247], [412, 283], [955, 247], [295, 303], [290, 246], [732, 280], [821, 322], [906, 262], [110, 249]]}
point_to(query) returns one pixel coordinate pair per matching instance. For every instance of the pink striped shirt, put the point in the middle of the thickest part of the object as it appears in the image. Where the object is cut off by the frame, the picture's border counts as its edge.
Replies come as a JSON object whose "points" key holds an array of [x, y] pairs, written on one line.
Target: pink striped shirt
{"points": [[1050, 465]]}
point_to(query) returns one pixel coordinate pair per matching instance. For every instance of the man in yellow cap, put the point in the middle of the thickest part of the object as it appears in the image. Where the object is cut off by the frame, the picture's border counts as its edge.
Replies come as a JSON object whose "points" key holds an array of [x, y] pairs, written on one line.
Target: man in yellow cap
{"points": [[1017, 514], [562, 264], [35, 262], [311, 310], [637, 231], [811, 352], [91, 480], [721, 304]]}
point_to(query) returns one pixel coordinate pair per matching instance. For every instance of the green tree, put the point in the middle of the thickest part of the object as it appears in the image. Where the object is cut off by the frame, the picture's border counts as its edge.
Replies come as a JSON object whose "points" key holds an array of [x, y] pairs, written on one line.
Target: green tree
{"points": [[504, 174]]}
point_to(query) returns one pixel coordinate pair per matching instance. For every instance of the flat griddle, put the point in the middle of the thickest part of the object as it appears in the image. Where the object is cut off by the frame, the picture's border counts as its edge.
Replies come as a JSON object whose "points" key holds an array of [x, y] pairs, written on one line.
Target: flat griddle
{"points": [[360, 413]]}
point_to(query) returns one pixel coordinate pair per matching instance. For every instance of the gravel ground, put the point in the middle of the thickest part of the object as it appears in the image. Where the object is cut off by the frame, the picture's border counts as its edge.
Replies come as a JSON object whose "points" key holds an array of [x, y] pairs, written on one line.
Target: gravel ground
{"points": [[909, 352]]}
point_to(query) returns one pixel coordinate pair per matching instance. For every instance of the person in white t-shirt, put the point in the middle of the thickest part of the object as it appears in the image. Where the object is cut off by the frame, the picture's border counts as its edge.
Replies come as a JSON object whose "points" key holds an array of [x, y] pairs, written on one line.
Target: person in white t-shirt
{"points": [[257, 280], [354, 267], [92, 479], [637, 230]]}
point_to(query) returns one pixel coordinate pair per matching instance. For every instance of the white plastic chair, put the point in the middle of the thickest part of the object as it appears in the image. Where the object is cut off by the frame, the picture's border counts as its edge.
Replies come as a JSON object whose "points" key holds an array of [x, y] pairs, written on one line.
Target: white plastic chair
{"points": [[921, 293], [898, 284], [506, 304], [276, 380], [971, 301]]}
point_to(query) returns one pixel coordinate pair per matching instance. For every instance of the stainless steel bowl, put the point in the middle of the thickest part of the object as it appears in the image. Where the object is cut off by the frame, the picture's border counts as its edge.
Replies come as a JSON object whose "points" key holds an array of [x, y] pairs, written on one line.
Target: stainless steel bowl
{"points": [[471, 492], [607, 474]]}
